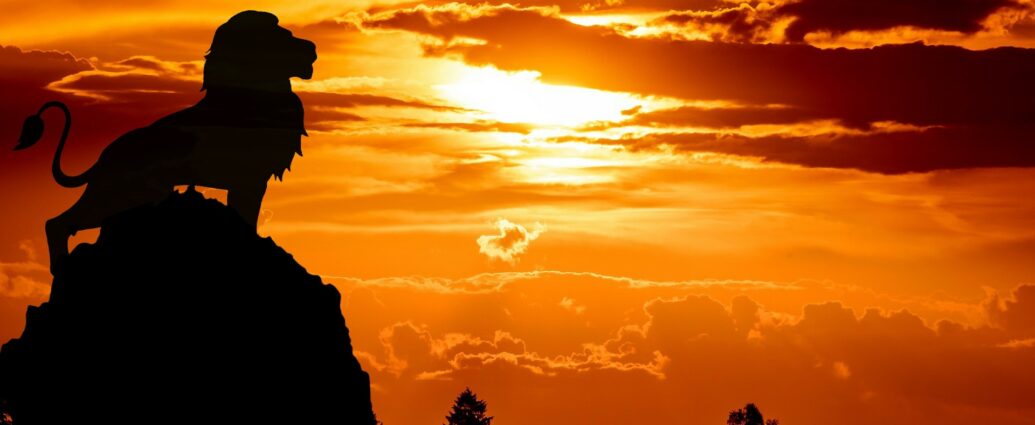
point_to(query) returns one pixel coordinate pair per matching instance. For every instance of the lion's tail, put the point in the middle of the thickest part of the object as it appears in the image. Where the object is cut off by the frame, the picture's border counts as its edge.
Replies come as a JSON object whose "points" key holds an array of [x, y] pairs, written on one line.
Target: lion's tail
{"points": [[32, 130]]}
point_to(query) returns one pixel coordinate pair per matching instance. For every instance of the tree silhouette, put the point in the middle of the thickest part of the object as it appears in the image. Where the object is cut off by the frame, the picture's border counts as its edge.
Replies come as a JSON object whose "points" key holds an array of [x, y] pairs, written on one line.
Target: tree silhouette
{"points": [[749, 415], [468, 410]]}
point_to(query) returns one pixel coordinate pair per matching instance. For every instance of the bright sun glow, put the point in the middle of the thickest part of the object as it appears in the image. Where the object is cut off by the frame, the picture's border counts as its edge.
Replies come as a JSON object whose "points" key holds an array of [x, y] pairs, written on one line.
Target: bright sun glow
{"points": [[610, 19], [521, 97]]}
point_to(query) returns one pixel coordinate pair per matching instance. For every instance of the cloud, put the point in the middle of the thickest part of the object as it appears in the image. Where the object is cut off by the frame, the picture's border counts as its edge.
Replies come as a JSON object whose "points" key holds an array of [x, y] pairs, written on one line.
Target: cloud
{"points": [[886, 83], [745, 23], [24, 77], [478, 126], [453, 20], [887, 352], [329, 106], [809, 365], [487, 283], [17, 286], [511, 242], [24, 279], [839, 16], [332, 98], [725, 117], [1019, 343], [980, 101], [412, 350], [117, 86], [570, 305], [887, 152], [35, 68], [794, 20], [1016, 313], [106, 98]]}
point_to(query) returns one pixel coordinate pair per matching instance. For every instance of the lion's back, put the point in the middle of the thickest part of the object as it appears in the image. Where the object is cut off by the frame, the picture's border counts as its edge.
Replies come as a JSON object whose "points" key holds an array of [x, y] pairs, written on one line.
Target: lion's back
{"points": [[222, 139], [147, 147]]}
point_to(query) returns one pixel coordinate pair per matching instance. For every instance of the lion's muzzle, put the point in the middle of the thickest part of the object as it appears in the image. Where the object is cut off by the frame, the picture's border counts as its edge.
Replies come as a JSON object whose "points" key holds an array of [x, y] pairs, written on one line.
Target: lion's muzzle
{"points": [[307, 56]]}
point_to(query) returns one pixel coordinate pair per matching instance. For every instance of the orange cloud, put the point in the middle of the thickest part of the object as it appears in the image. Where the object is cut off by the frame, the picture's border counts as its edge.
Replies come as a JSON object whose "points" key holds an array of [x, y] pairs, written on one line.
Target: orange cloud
{"points": [[24, 279], [422, 356], [808, 365], [511, 242], [1015, 314], [982, 105]]}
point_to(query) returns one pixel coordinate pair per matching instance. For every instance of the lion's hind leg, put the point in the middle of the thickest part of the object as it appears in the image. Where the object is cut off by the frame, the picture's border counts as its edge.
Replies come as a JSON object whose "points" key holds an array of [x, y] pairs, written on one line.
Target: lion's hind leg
{"points": [[57, 241], [89, 212]]}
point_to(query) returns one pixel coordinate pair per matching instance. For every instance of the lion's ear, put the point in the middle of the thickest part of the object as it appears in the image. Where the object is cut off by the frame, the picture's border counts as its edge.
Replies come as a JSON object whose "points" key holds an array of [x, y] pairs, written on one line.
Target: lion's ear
{"points": [[32, 130]]}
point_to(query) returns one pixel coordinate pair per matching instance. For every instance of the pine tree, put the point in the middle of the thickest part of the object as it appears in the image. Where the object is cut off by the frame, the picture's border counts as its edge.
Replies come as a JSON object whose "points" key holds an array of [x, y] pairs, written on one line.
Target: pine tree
{"points": [[468, 410], [749, 415]]}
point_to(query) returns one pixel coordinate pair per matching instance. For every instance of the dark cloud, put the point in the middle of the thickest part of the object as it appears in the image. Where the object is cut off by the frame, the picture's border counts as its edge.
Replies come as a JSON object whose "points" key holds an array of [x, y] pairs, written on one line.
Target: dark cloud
{"points": [[24, 80], [880, 152], [571, 5], [115, 84], [839, 16], [1016, 314], [722, 118], [911, 83], [675, 323], [34, 68], [323, 109], [755, 23], [741, 24], [478, 126], [352, 100], [24, 77], [981, 99], [324, 119]]}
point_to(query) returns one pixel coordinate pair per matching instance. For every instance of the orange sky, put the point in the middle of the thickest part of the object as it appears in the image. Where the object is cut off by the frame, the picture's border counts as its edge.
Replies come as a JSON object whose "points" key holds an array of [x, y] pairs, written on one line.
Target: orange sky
{"points": [[613, 212]]}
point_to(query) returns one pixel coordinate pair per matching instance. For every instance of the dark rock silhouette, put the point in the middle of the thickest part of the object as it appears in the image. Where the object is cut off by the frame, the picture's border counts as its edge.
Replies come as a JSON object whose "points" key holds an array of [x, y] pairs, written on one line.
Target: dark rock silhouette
{"points": [[247, 129], [180, 313]]}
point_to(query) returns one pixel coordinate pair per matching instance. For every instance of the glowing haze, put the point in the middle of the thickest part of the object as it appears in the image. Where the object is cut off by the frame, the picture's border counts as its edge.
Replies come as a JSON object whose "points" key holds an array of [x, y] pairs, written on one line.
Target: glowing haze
{"points": [[614, 212]]}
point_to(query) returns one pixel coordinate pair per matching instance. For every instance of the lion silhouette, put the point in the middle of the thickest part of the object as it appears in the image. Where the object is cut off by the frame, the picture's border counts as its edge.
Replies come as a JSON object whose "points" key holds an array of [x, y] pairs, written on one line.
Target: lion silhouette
{"points": [[246, 129]]}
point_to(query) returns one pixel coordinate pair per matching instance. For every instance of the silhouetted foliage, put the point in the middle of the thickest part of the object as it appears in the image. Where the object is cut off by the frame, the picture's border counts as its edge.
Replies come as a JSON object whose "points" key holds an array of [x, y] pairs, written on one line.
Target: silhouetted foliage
{"points": [[468, 410], [749, 415]]}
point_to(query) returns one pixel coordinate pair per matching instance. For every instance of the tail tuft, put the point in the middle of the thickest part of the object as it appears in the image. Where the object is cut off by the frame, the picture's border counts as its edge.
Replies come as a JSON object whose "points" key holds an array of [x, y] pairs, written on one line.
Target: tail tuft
{"points": [[32, 130]]}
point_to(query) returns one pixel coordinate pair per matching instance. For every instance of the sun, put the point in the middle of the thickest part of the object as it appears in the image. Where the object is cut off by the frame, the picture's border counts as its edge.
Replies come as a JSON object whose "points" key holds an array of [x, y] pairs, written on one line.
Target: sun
{"points": [[522, 97]]}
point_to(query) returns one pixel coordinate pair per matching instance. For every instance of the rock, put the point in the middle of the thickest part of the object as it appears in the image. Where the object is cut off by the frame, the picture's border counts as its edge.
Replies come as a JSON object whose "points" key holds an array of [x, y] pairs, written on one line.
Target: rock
{"points": [[180, 313]]}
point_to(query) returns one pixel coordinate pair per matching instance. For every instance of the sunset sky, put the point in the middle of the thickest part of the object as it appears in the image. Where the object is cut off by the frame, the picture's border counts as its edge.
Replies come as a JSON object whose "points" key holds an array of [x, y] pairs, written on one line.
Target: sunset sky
{"points": [[611, 211]]}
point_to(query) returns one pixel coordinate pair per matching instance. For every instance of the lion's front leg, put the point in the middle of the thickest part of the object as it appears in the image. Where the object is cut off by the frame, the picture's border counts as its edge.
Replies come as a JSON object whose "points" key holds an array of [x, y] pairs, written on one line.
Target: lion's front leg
{"points": [[57, 242], [247, 200]]}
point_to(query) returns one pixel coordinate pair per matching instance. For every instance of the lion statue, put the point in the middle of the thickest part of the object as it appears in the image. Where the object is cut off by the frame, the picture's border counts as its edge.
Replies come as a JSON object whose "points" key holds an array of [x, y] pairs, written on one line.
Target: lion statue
{"points": [[246, 129]]}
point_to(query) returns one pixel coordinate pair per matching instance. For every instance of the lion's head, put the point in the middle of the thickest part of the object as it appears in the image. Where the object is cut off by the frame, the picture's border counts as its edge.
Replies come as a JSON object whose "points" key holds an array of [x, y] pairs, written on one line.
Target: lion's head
{"points": [[251, 50]]}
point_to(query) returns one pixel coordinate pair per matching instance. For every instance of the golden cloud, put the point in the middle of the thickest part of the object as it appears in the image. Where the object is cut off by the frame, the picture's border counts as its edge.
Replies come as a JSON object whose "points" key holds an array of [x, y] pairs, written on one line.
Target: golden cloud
{"points": [[511, 241]]}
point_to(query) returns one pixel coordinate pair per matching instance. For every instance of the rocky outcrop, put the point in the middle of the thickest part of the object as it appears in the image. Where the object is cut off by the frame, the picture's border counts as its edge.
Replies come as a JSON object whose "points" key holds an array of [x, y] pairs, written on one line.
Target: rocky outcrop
{"points": [[180, 313]]}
